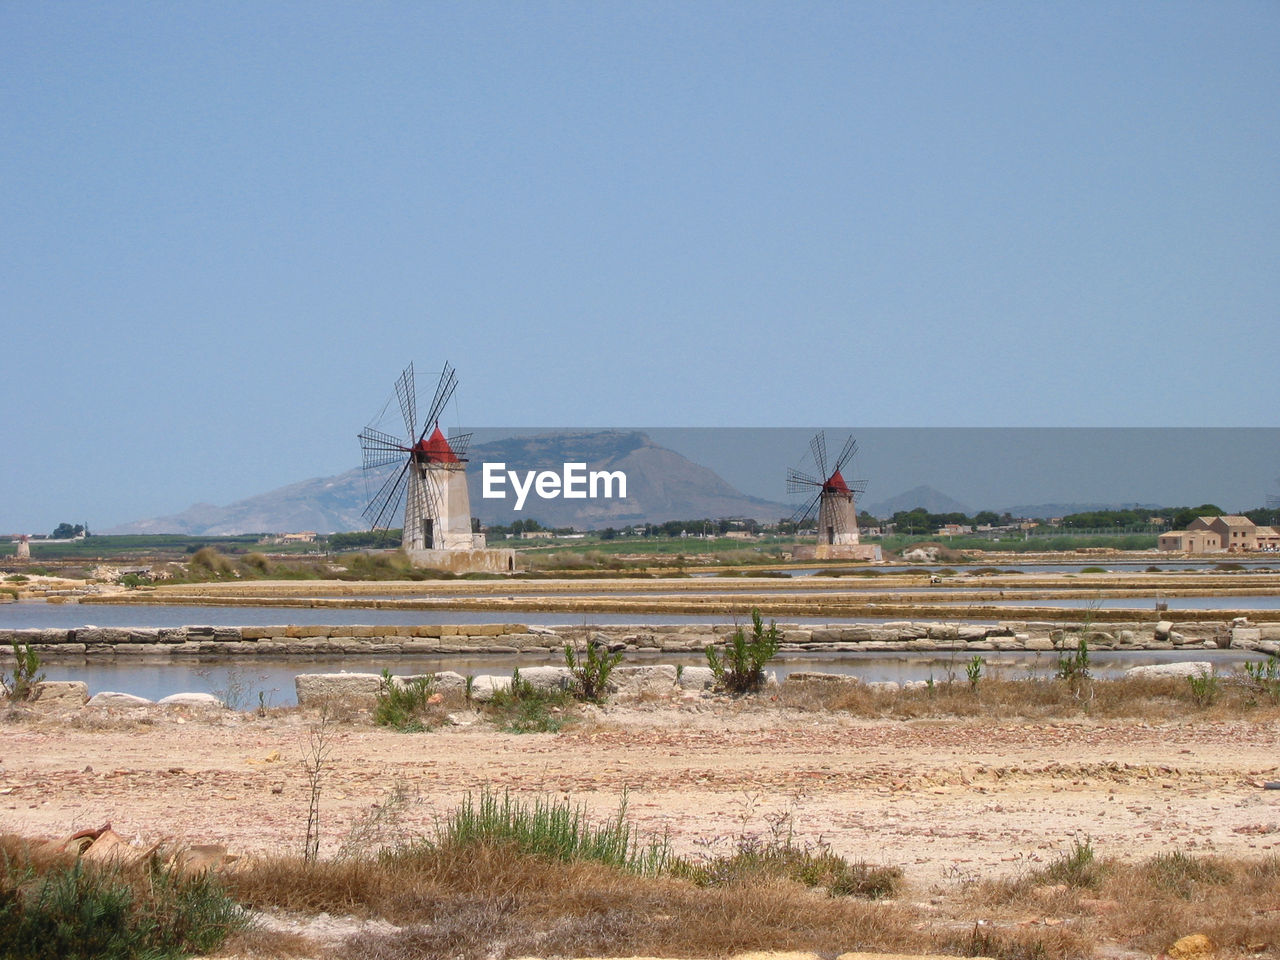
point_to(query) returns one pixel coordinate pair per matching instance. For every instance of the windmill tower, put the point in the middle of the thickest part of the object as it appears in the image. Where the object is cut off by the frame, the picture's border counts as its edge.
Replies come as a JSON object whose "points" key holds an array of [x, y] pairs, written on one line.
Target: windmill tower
{"points": [[23, 551], [835, 500], [427, 472]]}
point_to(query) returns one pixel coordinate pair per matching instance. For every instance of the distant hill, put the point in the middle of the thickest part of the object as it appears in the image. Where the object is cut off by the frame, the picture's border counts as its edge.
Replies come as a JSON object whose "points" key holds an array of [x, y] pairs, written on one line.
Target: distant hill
{"points": [[661, 485], [934, 501]]}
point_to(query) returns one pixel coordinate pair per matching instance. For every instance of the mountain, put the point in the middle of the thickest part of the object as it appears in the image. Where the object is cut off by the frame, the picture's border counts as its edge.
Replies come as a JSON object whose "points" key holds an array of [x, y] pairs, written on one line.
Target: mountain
{"points": [[934, 501], [661, 485]]}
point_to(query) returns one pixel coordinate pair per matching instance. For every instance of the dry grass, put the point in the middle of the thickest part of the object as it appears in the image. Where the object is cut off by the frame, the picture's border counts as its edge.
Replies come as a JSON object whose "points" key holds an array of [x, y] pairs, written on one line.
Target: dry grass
{"points": [[1151, 699], [482, 900], [489, 900], [1147, 905]]}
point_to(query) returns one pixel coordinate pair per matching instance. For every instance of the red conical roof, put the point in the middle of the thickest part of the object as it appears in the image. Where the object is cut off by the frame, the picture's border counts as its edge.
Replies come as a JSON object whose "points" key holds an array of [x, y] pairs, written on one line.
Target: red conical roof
{"points": [[835, 484], [436, 448]]}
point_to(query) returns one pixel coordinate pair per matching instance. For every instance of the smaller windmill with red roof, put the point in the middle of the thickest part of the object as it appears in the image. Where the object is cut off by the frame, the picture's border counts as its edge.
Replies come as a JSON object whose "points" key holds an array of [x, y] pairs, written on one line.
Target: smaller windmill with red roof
{"points": [[832, 496], [428, 473]]}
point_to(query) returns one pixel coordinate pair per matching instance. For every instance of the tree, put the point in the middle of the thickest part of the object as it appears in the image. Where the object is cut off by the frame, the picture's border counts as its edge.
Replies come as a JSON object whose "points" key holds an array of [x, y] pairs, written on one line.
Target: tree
{"points": [[65, 531]]}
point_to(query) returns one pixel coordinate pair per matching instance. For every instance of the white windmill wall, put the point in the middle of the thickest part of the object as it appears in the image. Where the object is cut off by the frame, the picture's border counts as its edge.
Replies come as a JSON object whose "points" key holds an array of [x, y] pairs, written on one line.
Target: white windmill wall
{"points": [[837, 520], [438, 493], [453, 531]]}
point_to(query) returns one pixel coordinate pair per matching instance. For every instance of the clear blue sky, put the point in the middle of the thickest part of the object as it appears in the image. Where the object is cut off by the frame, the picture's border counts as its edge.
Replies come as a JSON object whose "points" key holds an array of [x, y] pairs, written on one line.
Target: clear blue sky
{"points": [[225, 227]]}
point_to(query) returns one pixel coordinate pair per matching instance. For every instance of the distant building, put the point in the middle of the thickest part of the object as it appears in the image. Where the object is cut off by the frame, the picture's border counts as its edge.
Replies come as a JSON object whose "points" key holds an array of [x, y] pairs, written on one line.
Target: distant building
{"points": [[1237, 533], [305, 536], [1190, 541], [1231, 533], [1268, 539]]}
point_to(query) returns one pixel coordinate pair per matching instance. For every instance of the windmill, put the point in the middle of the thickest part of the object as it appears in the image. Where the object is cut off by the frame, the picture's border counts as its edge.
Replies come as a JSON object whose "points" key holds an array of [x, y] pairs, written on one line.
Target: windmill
{"points": [[424, 471], [23, 551], [833, 496]]}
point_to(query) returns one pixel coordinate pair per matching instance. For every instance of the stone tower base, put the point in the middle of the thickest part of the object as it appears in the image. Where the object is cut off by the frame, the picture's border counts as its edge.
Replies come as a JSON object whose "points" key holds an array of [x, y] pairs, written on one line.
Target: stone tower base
{"points": [[491, 560], [837, 551]]}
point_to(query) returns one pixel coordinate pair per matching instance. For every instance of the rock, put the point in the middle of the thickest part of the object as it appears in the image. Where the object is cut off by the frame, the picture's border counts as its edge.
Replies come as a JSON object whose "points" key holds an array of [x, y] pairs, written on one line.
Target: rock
{"points": [[542, 631], [195, 701], [883, 686], [352, 689], [109, 698], [629, 683], [1188, 668], [447, 680], [696, 678], [815, 682], [1246, 638], [547, 679], [1038, 643], [1194, 947], [1163, 629], [60, 693], [485, 686]]}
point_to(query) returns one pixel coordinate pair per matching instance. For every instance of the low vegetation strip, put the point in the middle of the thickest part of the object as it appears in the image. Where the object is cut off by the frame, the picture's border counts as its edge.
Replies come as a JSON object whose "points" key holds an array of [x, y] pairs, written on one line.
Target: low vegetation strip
{"points": [[55, 906], [503, 878]]}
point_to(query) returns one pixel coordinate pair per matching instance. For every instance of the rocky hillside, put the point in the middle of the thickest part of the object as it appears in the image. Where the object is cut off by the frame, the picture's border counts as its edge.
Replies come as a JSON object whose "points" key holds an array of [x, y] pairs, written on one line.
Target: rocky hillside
{"points": [[661, 485]]}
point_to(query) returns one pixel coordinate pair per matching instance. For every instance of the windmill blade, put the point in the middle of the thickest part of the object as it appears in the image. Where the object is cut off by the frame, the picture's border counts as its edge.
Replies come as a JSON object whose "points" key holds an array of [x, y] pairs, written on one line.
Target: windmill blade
{"points": [[459, 445], [804, 511], [379, 449], [798, 482], [818, 444], [386, 503], [444, 391], [431, 490], [848, 450], [407, 394], [376, 459], [857, 487]]}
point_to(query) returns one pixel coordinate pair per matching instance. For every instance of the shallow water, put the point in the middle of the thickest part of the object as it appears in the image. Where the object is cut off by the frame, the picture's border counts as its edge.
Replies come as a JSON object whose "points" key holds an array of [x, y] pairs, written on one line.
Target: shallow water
{"points": [[240, 681], [1258, 602], [65, 616]]}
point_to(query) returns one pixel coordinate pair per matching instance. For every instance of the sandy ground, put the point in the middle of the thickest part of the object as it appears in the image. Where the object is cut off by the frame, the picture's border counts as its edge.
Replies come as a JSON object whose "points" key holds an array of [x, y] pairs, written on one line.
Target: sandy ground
{"points": [[943, 800]]}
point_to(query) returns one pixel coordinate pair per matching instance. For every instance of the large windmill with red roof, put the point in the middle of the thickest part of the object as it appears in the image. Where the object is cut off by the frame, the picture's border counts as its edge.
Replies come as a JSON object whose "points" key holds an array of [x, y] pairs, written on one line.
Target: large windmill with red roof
{"points": [[834, 497], [424, 471]]}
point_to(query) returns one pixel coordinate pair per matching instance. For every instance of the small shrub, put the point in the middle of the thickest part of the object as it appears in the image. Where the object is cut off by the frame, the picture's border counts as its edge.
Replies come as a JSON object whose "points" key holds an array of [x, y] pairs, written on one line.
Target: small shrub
{"points": [[752, 863], [1073, 666], [740, 668], [26, 673], [1180, 874], [1079, 867], [208, 562], [552, 828], [1263, 676], [1204, 688], [973, 670], [403, 706], [257, 563], [522, 708], [591, 672], [71, 910]]}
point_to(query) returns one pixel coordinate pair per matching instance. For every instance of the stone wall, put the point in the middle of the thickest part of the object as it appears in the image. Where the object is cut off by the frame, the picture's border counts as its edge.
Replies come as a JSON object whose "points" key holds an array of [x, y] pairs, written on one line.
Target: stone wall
{"points": [[108, 643]]}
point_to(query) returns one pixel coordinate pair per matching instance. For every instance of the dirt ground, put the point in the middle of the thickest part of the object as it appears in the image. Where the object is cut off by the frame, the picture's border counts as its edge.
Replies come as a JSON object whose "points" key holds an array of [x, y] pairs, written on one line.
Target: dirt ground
{"points": [[944, 800]]}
